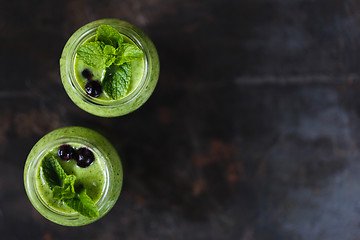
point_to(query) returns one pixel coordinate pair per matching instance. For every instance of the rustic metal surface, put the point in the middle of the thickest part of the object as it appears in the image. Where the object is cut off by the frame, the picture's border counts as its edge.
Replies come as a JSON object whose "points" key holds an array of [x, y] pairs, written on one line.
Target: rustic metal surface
{"points": [[252, 131]]}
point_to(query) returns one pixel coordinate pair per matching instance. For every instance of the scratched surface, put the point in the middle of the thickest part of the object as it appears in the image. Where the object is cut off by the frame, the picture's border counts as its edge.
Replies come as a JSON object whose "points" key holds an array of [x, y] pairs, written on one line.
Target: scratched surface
{"points": [[251, 134]]}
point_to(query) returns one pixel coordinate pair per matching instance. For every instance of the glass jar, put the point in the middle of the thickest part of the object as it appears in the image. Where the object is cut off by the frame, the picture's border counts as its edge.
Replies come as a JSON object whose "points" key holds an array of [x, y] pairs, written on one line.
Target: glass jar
{"points": [[124, 105], [108, 161]]}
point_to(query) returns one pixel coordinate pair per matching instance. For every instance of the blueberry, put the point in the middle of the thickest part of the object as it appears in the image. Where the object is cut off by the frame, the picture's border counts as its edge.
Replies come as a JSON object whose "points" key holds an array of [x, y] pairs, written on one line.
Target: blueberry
{"points": [[86, 73], [86, 157], [67, 152], [93, 88]]}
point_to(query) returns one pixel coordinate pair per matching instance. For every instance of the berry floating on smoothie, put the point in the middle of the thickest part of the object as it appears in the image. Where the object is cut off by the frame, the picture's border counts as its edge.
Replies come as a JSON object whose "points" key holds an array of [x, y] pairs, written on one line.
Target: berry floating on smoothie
{"points": [[93, 88], [86, 73], [83, 156], [86, 157], [66, 152]]}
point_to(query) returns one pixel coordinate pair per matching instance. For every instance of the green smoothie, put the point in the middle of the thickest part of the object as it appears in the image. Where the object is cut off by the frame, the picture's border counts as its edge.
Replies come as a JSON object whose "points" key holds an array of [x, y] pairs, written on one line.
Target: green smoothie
{"points": [[92, 178], [137, 72], [109, 67], [96, 181]]}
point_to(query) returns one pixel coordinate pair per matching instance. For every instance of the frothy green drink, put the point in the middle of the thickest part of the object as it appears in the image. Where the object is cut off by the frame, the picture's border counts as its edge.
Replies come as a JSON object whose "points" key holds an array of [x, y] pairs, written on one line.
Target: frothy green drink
{"points": [[123, 65], [137, 72], [100, 181]]}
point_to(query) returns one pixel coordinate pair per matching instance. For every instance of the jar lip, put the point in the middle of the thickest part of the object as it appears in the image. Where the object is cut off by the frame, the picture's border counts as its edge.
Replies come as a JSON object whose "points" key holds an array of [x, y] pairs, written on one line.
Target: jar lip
{"points": [[88, 31], [33, 170]]}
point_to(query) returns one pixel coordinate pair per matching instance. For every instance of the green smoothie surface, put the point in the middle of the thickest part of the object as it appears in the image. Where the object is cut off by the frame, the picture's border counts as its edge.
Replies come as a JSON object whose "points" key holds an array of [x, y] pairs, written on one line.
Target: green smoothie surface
{"points": [[92, 178], [113, 60]]}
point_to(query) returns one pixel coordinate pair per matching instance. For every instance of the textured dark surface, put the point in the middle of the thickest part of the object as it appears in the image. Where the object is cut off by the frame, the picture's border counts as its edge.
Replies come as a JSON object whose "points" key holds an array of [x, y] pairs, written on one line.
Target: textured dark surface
{"points": [[251, 134]]}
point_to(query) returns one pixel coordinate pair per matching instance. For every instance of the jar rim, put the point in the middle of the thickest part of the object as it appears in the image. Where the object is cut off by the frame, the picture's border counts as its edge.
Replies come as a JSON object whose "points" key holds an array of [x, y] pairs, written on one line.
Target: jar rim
{"points": [[40, 203], [140, 92]]}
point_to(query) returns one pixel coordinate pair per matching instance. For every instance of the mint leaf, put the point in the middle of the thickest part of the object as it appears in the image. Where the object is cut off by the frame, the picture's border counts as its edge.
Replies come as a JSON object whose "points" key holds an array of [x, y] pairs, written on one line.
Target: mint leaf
{"points": [[108, 49], [126, 53], [83, 204], [117, 80], [96, 54], [67, 191], [53, 172], [109, 36], [110, 52]]}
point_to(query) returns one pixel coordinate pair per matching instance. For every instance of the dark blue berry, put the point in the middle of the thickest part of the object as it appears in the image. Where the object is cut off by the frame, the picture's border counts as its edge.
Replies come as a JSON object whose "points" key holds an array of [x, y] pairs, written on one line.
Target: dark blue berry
{"points": [[93, 88], [66, 152], [86, 73], [85, 157]]}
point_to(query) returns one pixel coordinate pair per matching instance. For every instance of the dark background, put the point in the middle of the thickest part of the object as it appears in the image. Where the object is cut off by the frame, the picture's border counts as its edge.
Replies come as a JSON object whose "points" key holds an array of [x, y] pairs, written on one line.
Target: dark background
{"points": [[253, 131]]}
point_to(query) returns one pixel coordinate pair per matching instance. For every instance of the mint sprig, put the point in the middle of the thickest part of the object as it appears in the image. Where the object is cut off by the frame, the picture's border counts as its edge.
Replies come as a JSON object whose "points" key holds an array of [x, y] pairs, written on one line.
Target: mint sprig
{"points": [[97, 54], [126, 53], [53, 172], [62, 186], [67, 190], [109, 52], [109, 36]]}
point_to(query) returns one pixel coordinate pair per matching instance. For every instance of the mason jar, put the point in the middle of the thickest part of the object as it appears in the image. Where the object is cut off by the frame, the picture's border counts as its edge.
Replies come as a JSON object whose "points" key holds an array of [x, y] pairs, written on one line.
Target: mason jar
{"points": [[102, 179], [138, 95]]}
